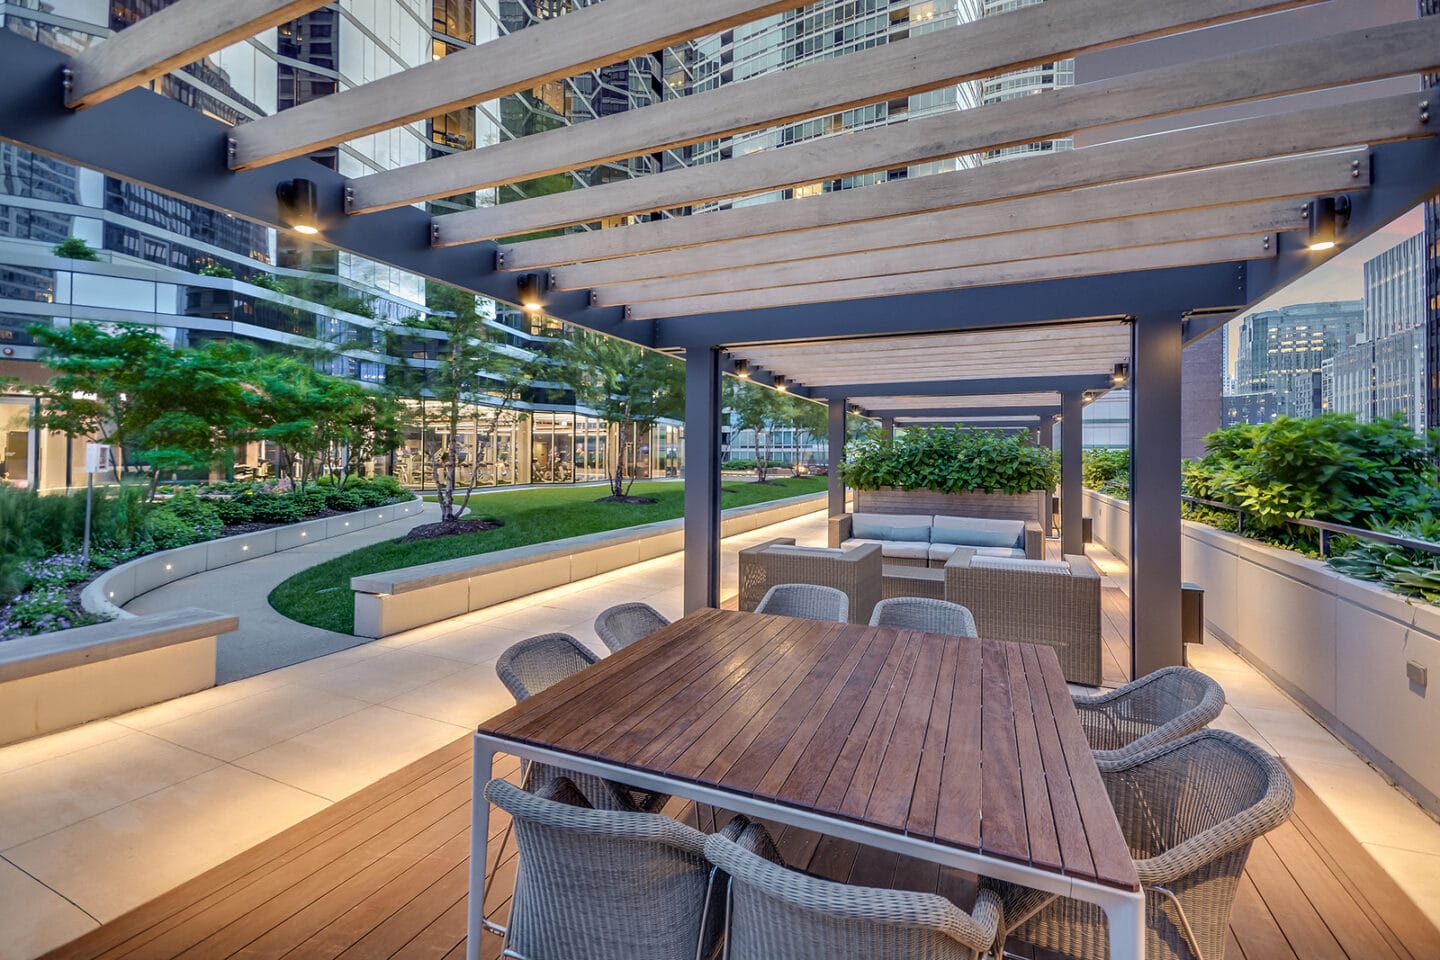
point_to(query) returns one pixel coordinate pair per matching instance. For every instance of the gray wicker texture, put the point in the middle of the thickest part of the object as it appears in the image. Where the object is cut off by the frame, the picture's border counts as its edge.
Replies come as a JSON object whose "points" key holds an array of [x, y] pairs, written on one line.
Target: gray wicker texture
{"points": [[1164, 705], [856, 573], [539, 662], [1190, 809], [778, 913], [918, 613], [1034, 602], [623, 624], [607, 885], [807, 601]]}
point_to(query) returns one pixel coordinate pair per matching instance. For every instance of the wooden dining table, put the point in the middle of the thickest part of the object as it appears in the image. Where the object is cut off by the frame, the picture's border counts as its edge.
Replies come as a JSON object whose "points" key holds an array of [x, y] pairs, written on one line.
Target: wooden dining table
{"points": [[963, 752]]}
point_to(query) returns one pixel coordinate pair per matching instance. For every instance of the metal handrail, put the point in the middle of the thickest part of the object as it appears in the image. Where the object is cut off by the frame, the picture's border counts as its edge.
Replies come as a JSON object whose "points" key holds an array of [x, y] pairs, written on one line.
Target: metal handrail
{"points": [[1326, 528]]}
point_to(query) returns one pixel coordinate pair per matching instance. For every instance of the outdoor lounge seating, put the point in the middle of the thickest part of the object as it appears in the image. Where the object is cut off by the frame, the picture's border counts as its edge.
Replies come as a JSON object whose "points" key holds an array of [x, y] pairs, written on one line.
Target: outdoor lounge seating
{"points": [[778, 912], [807, 601], [623, 624], [1162, 706], [923, 540], [923, 613], [568, 902], [1054, 602], [1190, 810], [856, 572]]}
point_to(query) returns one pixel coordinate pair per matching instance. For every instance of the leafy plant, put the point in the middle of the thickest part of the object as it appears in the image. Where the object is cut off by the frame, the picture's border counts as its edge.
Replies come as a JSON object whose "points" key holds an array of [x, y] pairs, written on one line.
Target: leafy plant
{"points": [[949, 460], [73, 248], [1107, 472], [218, 270], [1413, 573]]}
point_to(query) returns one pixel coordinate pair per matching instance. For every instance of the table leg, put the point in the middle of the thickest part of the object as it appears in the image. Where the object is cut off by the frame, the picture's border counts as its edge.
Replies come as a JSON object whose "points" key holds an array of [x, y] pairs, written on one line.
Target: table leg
{"points": [[483, 768], [1126, 920]]}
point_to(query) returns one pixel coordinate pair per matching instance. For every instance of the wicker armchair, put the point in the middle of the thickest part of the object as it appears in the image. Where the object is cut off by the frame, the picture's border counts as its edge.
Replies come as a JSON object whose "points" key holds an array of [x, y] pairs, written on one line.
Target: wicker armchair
{"points": [[919, 613], [777, 912], [606, 885], [1165, 705], [1190, 810], [855, 572], [1056, 603], [532, 665], [623, 624], [807, 601]]}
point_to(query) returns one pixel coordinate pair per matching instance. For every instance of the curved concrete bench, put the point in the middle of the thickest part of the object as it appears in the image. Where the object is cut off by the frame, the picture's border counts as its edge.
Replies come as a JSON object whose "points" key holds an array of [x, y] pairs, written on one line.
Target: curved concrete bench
{"points": [[398, 600], [57, 680], [109, 592]]}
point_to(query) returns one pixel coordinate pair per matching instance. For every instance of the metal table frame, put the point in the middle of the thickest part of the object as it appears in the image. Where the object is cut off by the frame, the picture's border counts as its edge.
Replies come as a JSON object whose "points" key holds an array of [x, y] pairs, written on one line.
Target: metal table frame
{"points": [[1124, 909]]}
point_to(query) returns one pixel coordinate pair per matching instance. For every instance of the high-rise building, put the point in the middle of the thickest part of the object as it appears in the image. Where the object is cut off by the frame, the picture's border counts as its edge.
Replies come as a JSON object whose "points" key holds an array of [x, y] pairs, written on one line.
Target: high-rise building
{"points": [[1033, 79], [1282, 352], [1395, 289]]}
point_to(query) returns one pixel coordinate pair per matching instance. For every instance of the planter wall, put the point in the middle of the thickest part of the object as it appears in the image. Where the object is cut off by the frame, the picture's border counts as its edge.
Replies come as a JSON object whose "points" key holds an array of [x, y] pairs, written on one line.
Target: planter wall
{"points": [[1111, 522], [1034, 505], [1338, 645]]}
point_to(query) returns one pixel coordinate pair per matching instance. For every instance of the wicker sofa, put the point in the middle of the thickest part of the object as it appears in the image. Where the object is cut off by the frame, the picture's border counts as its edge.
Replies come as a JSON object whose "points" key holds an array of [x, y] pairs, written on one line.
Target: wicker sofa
{"points": [[925, 540], [855, 571], [1056, 603]]}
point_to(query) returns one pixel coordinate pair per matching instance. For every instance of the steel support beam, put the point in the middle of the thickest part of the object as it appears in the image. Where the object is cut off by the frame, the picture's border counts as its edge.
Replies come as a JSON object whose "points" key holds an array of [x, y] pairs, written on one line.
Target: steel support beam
{"points": [[965, 388], [1155, 637], [977, 413], [835, 419], [702, 478], [1072, 443]]}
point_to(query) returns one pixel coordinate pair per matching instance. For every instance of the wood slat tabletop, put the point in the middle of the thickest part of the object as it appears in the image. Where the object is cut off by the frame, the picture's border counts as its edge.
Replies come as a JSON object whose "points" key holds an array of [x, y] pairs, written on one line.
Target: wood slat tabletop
{"points": [[973, 744]]}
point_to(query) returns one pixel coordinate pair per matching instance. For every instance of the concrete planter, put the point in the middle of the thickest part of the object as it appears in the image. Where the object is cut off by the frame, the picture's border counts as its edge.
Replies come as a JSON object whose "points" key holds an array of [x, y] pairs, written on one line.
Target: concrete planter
{"points": [[109, 592], [1338, 645], [398, 600], [1034, 505], [1111, 522]]}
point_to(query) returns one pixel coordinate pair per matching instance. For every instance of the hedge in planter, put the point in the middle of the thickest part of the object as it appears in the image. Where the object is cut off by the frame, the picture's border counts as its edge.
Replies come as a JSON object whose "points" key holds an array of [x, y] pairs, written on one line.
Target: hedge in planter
{"points": [[949, 460]]}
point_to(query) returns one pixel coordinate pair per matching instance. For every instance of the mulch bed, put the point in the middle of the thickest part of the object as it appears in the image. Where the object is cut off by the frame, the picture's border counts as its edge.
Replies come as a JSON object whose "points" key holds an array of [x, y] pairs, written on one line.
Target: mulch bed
{"points": [[615, 499], [434, 531]]}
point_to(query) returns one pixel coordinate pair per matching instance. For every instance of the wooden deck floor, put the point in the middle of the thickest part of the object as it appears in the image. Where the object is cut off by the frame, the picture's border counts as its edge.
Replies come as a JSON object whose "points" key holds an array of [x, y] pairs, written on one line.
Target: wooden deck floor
{"points": [[383, 874]]}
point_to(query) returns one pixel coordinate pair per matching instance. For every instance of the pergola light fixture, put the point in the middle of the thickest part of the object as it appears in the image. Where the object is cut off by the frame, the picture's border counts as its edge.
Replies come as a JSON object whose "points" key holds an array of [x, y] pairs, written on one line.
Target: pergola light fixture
{"points": [[742, 368], [527, 289], [1121, 374], [855, 409], [299, 201], [1328, 217], [780, 384]]}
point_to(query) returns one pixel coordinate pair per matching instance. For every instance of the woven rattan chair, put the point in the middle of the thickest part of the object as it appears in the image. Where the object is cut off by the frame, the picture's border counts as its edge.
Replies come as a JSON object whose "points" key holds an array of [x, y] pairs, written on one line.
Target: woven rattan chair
{"points": [[1190, 809], [532, 665], [856, 572], [806, 600], [1164, 705], [623, 624], [776, 912], [607, 885], [919, 613]]}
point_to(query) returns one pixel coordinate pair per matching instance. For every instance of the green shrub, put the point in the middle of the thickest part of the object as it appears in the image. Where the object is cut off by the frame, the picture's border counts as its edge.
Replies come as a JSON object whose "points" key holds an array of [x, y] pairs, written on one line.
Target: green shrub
{"points": [[218, 270], [1107, 471], [370, 496], [235, 510], [73, 248], [949, 460], [344, 500], [388, 485], [275, 508], [168, 530], [309, 504], [743, 464], [1412, 573]]}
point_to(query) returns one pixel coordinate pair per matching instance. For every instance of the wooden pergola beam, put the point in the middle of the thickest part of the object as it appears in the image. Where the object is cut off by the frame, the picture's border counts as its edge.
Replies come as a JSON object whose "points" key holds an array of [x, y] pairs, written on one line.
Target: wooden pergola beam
{"points": [[1289, 177], [1020, 38], [1269, 216], [168, 40], [1337, 60], [1089, 264], [551, 50], [1379, 120]]}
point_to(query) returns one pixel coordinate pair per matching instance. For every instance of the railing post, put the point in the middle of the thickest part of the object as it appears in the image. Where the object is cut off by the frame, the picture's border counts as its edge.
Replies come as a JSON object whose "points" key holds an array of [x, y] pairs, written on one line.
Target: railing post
{"points": [[702, 478]]}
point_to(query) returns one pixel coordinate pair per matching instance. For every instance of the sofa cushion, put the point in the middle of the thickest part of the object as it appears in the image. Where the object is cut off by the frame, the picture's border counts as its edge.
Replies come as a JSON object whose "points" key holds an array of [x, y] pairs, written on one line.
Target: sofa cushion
{"points": [[942, 551], [891, 526], [1030, 566], [979, 532], [903, 549], [806, 551]]}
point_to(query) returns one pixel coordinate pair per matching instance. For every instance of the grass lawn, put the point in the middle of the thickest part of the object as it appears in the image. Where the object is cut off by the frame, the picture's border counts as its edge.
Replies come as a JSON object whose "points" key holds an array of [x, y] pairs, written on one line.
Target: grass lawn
{"points": [[321, 595]]}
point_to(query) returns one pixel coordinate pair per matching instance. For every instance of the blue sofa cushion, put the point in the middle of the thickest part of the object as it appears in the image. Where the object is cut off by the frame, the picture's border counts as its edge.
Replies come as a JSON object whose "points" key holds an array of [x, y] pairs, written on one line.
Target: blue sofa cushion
{"points": [[895, 527], [979, 532]]}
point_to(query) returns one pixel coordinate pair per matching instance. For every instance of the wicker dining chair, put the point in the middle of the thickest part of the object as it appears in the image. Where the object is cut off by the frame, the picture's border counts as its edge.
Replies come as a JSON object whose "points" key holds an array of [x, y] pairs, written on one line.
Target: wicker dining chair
{"points": [[608, 885], [623, 624], [536, 663], [778, 912], [1190, 809], [922, 613], [1164, 705], [806, 600]]}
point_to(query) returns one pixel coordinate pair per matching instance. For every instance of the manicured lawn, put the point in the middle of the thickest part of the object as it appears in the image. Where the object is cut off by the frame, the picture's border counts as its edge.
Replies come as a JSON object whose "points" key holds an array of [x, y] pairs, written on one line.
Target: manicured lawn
{"points": [[321, 596]]}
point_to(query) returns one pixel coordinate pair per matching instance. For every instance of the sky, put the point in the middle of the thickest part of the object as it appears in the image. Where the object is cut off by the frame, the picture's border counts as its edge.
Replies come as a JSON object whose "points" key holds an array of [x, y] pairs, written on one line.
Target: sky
{"points": [[1340, 278]]}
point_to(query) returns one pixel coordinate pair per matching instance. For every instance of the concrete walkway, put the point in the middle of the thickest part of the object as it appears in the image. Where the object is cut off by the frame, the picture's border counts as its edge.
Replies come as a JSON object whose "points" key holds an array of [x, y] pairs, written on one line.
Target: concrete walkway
{"points": [[266, 640]]}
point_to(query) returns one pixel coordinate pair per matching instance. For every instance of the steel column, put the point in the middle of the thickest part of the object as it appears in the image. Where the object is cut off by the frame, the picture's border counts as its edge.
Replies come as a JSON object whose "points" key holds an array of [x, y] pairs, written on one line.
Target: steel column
{"points": [[1047, 433], [836, 486], [1072, 441], [887, 424], [1155, 637], [702, 478]]}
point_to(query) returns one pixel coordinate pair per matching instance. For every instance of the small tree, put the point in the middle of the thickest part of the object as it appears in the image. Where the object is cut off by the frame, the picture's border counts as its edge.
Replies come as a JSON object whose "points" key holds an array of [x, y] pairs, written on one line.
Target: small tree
{"points": [[73, 248], [625, 385], [757, 408], [806, 420]]}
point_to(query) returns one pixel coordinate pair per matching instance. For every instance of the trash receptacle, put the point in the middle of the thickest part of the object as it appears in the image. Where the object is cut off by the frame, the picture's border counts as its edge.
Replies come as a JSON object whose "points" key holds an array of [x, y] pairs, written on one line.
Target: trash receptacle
{"points": [[1192, 613]]}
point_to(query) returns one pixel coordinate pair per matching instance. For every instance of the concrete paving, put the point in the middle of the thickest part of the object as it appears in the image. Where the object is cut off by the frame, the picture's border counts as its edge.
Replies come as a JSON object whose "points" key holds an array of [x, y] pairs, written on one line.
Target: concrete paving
{"points": [[266, 640]]}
